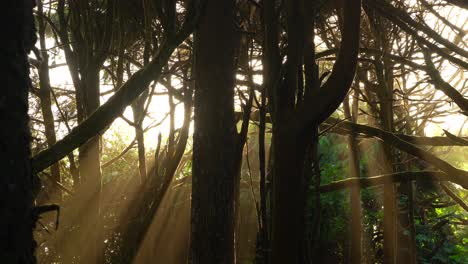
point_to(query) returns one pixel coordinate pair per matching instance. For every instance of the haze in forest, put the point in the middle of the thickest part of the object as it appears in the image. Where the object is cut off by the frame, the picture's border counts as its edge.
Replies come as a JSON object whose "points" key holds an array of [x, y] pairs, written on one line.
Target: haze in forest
{"points": [[234, 132]]}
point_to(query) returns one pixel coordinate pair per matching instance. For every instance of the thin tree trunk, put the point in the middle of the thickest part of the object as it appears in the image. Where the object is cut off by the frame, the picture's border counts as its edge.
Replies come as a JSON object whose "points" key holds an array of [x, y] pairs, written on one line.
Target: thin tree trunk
{"points": [[138, 108], [407, 233], [355, 193], [45, 100], [383, 90], [271, 72], [389, 199], [262, 245], [90, 167], [138, 112], [406, 236]]}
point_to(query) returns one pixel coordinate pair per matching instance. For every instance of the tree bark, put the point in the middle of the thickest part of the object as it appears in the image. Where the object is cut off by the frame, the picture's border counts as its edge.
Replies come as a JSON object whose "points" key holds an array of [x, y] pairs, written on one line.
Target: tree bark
{"points": [[215, 137], [138, 112], [17, 212]]}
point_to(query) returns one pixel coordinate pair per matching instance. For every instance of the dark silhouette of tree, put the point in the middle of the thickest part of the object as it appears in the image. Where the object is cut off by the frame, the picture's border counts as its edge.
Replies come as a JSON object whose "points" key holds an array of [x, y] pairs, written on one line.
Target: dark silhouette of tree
{"points": [[17, 182], [215, 171]]}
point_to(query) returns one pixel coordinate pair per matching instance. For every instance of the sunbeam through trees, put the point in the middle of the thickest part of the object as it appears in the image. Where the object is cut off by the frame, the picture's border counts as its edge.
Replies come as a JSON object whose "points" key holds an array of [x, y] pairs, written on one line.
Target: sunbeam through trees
{"points": [[234, 132]]}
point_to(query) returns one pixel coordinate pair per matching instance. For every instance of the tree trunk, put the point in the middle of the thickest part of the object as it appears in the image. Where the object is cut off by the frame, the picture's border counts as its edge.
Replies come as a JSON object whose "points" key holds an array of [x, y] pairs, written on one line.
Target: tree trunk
{"points": [[90, 169], [138, 108], [46, 102], [407, 234], [288, 199], [355, 192], [389, 199], [383, 91], [289, 151], [17, 214], [215, 138], [138, 112], [298, 108]]}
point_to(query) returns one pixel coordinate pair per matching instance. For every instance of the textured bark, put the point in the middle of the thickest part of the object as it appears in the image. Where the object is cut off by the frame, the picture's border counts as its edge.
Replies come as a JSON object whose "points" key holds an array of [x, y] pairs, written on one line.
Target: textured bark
{"points": [[215, 138], [17, 213], [287, 200]]}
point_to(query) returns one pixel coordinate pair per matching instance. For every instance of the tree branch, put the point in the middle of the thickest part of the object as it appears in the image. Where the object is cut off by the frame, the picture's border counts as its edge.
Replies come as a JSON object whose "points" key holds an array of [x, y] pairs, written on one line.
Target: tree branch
{"points": [[403, 16], [394, 19], [461, 176], [454, 197], [346, 127], [324, 101], [442, 85], [387, 178]]}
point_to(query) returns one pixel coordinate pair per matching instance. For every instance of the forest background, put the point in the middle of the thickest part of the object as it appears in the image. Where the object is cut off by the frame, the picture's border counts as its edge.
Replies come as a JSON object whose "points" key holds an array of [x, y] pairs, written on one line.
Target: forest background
{"points": [[246, 132]]}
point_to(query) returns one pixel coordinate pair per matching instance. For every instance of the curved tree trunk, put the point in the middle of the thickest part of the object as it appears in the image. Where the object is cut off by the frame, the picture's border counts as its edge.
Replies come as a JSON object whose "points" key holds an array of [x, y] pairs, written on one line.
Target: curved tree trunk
{"points": [[299, 107]]}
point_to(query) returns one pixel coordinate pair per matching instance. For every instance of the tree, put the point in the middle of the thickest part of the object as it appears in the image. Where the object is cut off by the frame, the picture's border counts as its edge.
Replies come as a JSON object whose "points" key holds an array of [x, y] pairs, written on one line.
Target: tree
{"points": [[299, 106], [215, 140], [17, 212]]}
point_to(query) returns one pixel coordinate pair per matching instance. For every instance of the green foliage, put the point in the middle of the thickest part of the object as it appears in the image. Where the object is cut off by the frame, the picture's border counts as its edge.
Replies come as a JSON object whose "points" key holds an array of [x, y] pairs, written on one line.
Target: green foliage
{"points": [[335, 205], [333, 158], [442, 237], [125, 166]]}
